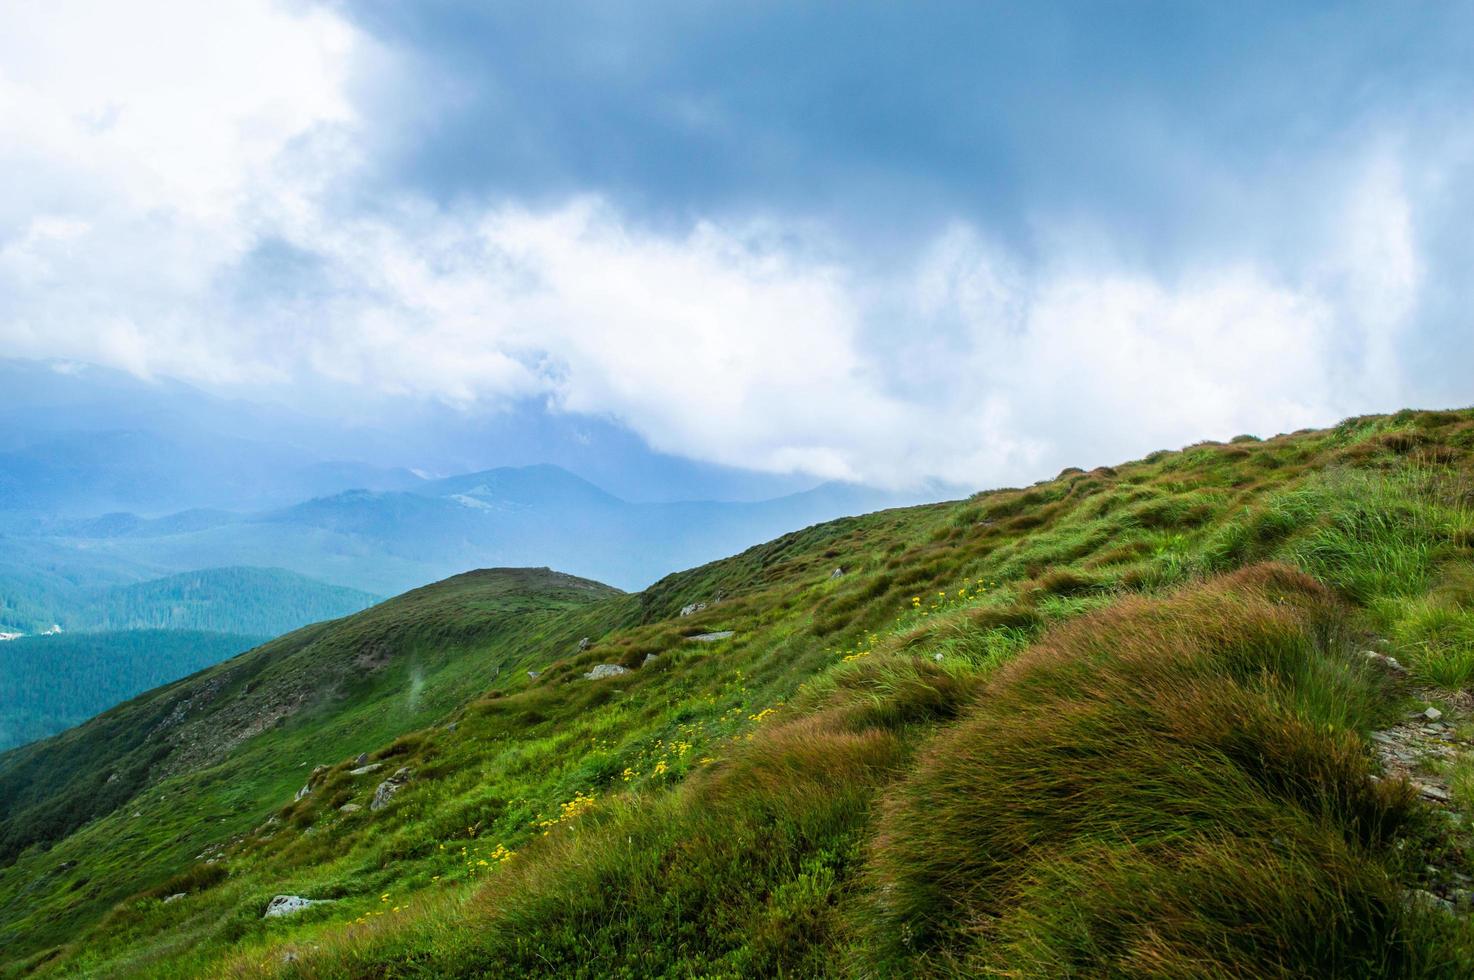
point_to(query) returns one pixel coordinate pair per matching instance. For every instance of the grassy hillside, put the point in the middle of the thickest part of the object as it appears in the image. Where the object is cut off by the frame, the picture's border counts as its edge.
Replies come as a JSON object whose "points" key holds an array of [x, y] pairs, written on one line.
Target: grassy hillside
{"points": [[50, 683], [1119, 723]]}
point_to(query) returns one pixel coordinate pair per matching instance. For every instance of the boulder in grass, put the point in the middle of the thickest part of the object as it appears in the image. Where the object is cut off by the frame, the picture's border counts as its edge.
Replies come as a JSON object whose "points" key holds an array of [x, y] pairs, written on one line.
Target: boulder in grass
{"points": [[389, 787], [605, 670], [289, 905]]}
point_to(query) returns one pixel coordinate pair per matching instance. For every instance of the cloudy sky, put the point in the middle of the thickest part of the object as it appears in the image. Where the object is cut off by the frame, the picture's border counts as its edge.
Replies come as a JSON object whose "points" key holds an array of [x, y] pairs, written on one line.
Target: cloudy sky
{"points": [[876, 241]]}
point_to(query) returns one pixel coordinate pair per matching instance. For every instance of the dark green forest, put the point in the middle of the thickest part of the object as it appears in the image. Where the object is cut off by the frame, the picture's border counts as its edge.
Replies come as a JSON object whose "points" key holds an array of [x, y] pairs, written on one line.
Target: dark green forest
{"points": [[50, 683], [252, 601]]}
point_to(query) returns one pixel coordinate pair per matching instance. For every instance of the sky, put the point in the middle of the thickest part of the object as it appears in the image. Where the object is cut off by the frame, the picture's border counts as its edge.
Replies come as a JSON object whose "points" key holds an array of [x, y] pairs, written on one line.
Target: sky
{"points": [[960, 242]]}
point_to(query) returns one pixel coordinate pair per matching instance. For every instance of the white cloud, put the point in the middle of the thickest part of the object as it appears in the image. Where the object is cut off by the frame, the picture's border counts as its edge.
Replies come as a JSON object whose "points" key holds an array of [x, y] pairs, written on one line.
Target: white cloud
{"points": [[163, 143]]}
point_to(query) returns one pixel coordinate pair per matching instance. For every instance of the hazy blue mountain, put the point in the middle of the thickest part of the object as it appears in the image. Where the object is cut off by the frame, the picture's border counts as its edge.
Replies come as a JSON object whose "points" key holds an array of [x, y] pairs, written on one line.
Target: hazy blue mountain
{"points": [[80, 439], [385, 542]]}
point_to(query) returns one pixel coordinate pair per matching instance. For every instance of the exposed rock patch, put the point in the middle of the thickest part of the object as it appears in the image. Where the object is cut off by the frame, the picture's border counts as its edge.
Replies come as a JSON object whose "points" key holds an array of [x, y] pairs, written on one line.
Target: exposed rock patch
{"points": [[711, 637], [605, 670], [290, 905], [389, 787]]}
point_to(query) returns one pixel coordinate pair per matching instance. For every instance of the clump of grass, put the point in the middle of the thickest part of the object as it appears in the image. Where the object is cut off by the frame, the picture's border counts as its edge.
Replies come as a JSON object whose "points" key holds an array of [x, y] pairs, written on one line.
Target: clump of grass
{"points": [[1166, 787]]}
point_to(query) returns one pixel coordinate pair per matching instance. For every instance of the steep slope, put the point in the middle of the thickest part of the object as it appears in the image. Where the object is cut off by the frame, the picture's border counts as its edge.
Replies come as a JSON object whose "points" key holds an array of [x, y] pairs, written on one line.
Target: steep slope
{"points": [[231, 738], [1118, 723]]}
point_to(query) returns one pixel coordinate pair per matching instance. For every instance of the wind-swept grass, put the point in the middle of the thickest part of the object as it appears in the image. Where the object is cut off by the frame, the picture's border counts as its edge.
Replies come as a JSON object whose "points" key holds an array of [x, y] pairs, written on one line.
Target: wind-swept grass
{"points": [[1165, 788]]}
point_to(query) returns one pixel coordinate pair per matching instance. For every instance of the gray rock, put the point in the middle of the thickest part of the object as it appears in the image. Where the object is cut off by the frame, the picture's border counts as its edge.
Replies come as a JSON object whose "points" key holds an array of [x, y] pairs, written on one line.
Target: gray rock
{"points": [[365, 770], [711, 637], [362, 758], [389, 787], [648, 658], [1433, 793], [452, 726], [605, 670], [317, 773], [1389, 662], [289, 905], [937, 657], [1419, 896], [174, 897], [584, 644], [837, 573], [692, 609], [533, 675], [349, 808], [1432, 714]]}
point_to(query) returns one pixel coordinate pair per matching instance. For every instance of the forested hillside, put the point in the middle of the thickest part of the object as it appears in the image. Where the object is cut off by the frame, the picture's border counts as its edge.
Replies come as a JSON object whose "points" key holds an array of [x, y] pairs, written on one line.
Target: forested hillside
{"points": [[240, 600], [50, 683]]}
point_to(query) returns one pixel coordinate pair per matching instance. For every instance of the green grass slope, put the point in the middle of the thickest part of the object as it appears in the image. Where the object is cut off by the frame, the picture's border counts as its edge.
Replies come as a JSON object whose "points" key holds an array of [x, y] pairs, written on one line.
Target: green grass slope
{"points": [[151, 782], [1118, 723], [50, 683]]}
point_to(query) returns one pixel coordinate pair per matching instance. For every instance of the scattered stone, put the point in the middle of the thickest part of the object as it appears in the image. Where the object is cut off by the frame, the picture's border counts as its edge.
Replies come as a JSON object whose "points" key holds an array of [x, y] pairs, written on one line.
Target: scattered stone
{"points": [[452, 726], [289, 905], [1419, 896], [362, 758], [837, 573], [1432, 714], [648, 658], [349, 808], [605, 670], [365, 770], [937, 657], [711, 637], [1433, 792], [174, 897], [112, 777], [533, 675], [389, 787], [1390, 663], [692, 609], [584, 644], [317, 773]]}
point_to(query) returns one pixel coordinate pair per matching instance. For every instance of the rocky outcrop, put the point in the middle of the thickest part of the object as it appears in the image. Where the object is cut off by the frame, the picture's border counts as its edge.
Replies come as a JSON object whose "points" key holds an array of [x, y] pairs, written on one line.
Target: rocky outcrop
{"points": [[390, 787], [365, 770], [605, 670], [693, 608], [290, 905], [312, 780], [711, 637]]}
